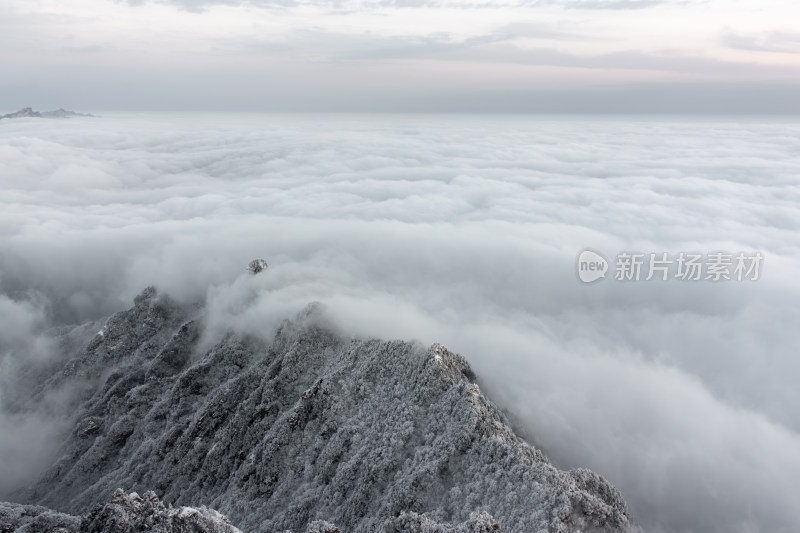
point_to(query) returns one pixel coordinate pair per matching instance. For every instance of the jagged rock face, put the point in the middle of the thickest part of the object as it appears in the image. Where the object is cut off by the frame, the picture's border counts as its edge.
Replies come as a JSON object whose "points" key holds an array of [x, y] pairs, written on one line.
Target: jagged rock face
{"points": [[366, 434]]}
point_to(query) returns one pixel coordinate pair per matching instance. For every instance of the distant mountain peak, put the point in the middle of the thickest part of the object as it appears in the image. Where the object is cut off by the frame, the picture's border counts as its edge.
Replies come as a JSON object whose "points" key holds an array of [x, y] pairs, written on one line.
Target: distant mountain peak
{"points": [[28, 112]]}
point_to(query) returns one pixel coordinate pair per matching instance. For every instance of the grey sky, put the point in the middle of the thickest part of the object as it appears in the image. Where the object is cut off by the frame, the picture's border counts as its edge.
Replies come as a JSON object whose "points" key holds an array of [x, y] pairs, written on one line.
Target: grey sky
{"points": [[479, 55]]}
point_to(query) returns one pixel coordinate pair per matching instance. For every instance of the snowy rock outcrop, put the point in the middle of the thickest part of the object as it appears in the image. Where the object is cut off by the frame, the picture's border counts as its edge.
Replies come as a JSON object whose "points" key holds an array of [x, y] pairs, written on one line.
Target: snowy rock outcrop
{"points": [[125, 513], [309, 430], [35, 519]]}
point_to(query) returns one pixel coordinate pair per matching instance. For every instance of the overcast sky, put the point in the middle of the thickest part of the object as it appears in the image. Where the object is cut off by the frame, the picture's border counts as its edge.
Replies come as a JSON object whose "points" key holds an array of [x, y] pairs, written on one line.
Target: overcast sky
{"points": [[402, 55]]}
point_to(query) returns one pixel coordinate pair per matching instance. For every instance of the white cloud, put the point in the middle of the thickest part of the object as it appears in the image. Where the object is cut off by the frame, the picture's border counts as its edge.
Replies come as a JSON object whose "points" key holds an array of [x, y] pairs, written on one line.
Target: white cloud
{"points": [[27, 439], [464, 230]]}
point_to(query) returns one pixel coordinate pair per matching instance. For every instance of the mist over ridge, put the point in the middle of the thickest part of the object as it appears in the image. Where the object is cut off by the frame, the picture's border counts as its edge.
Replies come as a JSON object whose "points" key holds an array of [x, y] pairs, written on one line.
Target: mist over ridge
{"points": [[464, 231]]}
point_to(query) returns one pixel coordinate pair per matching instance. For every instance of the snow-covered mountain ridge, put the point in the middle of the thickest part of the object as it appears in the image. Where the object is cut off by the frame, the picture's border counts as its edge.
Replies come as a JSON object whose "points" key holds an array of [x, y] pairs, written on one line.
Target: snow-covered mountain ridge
{"points": [[312, 426]]}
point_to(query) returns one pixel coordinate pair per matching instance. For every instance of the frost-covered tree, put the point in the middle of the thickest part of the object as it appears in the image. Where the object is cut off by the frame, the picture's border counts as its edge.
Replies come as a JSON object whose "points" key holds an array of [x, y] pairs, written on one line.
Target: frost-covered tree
{"points": [[256, 266]]}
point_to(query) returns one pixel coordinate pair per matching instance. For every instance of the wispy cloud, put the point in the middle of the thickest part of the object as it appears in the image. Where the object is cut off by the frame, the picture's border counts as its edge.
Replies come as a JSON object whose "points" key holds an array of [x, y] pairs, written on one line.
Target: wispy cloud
{"points": [[501, 47], [491, 50], [349, 5], [775, 41], [612, 4]]}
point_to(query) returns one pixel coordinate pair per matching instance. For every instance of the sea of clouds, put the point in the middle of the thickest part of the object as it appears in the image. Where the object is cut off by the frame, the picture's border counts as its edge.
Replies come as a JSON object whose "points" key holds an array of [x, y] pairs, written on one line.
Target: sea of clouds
{"points": [[462, 230]]}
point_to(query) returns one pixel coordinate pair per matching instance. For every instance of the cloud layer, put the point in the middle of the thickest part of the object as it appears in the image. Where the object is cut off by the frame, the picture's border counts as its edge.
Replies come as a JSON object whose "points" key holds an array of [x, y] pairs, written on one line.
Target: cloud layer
{"points": [[465, 231]]}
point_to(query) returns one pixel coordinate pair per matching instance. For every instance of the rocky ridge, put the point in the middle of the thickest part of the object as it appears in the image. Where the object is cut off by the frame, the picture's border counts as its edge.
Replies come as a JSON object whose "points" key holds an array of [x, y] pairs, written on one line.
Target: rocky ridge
{"points": [[305, 431]]}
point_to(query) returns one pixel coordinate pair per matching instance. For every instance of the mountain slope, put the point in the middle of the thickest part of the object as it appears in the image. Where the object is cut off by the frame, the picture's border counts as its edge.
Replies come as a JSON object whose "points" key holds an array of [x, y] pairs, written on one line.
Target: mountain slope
{"points": [[369, 435]]}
